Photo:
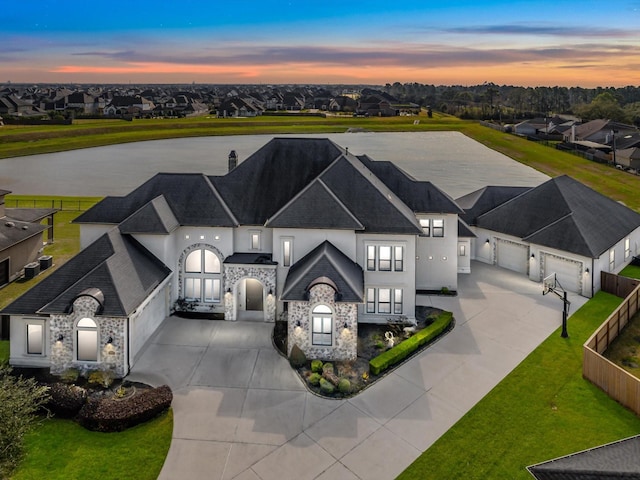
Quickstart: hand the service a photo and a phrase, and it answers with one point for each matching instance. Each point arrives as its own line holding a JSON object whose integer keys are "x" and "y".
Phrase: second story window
{"x": 254, "y": 240}
{"x": 385, "y": 258}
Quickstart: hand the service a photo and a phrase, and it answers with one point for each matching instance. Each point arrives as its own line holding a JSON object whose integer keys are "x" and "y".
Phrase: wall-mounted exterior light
{"x": 60, "y": 338}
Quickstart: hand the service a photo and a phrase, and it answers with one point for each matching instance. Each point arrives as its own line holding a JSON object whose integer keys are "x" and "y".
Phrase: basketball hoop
{"x": 550, "y": 284}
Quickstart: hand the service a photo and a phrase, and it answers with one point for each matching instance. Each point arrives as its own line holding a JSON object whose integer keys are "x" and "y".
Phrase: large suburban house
{"x": 303, "y": 231}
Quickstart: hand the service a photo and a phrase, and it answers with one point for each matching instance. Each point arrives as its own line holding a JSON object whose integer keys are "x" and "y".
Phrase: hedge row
{"x": 113, "y": 415}
{"x": 65, "y": 401}
{"x": 410, "y": 345}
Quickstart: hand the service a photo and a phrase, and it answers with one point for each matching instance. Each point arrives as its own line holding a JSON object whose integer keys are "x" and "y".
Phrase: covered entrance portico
{"x": 250, "y": 285}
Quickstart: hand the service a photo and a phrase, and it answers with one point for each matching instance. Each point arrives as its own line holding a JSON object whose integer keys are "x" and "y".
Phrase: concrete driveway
{"x": 241, "y": 413}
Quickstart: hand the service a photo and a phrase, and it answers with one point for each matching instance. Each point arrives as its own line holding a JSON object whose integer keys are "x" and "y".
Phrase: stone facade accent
{"x": 110, "y": 356}
{"x": 344, "y": 340}
{"x": 265, "y": 274}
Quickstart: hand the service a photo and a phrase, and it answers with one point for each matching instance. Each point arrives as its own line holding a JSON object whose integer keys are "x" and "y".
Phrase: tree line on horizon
{"x": 511, "y": 104}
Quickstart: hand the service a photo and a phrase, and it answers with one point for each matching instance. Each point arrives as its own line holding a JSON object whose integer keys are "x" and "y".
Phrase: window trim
{"x": 255, "y": 235}
{"x": 425, "y": 223}
{"x": 76, "y": 339}
{"x": 396, "y": 307}
{"x": 627, "y": 248}
{"x": 287, "y": 260}
{"x": 43, "y": 337}
{"x": 374, "y": 257}
{"x": 437, "y": 231}
{"x": 322, "y": 316}
{"x": 462, "y": 250}
{"x": 197, "y": 281}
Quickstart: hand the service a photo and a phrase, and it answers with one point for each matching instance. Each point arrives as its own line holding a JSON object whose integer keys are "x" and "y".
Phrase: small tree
{"x": 20, "y": 400}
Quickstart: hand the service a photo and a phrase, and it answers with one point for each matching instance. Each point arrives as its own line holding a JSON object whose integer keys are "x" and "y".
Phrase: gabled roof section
{"x": 275, "y": 174}
{"x": 464, "y": 231}
{"x": 154, "y": 217}
{"x": 565, "y": 214}
{"x": 421, "y": 197}
{"x": 375, "y": 206}
{"x": 115, "y": 264}
{"x": 315, "y": 207}
{"x": 485, "y": 199}
{"x": 191, "y": 197}
{"x": 325, "y": 261}
{"x": 614, "y": 461}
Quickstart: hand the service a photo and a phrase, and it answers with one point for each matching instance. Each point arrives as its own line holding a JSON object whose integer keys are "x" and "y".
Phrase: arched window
{"x": 202, "y": 276}
{"x": 87, "y": 340}
{"x": 321, "y": 325}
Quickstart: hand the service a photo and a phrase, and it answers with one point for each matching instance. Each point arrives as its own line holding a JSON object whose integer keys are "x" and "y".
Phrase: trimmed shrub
{"x": 70, "y": 375}
{"x": 314, "y": 378}
{"x": 66, "y": 400}
{"x": 297, "y": 358}
{"x": 410, "y": 345}
{"x": 326, "y": 387}
{"x": 104, "y": 378}
{"x": 316, "y": 366}
{"x": 327, "y": 367}
{"x": 111, "y": 415}
{"x": 344, "y": 385}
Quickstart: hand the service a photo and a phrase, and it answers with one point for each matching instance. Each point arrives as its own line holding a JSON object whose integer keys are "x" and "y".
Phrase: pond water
{"x": 452, "y": 161}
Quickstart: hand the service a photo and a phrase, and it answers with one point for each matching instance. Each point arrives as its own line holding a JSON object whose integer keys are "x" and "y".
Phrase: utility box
{"x": 46, "y": 261}
{"x": 31, "y": 270}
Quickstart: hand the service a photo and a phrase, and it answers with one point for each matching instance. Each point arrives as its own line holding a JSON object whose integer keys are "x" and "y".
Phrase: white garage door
{"x": 513, "y": 256}
{"x": 567, "y": 272}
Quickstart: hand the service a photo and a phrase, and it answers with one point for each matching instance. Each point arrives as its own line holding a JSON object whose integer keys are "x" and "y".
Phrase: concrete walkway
{"x": 241, "y": 413}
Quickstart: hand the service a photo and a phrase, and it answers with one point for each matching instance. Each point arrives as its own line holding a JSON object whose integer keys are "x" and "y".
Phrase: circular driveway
{"x": 240, "y": 412}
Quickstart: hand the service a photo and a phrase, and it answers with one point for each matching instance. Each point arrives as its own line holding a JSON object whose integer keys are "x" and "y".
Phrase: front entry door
{"x": 253, "y": 295}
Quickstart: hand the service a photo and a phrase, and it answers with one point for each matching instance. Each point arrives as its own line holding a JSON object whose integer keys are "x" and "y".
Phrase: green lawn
{"x": 631, "y": 271}
{"x": 4, "y": 351}
{"x": 61, "y": 449}
{"x": 542, "y": 410}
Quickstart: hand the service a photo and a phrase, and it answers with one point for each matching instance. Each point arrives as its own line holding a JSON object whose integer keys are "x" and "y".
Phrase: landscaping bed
{"x": 99, "y": 402}
{"x": 343, "y": 379}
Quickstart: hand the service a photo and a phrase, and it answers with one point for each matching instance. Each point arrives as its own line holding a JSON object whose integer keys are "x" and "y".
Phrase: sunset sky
{"x": 588, "y": 43}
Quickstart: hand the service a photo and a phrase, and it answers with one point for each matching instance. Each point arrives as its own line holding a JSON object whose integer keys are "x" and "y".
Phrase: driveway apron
{"x": 240, "y": 412}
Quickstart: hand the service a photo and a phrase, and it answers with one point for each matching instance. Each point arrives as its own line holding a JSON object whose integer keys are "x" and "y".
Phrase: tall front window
{"x": 287, "y": 252}
{"x": 35, "y": 335}
{"x": 87, "y": 340}
{"x": 612, "y": 260}
{"x": 385, "y": 258}
{"x": 254, "y": 240}
{"x": 627, "y": 248}
{"x": 202, "y": 281}
{"x": 321, "y": 325}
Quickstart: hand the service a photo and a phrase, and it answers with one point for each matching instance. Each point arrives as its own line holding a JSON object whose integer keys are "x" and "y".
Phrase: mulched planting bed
{"x": 371, "y": 343}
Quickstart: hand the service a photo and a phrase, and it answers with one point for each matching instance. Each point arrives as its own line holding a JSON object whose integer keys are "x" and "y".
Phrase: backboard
{"x": 549, "y": 284}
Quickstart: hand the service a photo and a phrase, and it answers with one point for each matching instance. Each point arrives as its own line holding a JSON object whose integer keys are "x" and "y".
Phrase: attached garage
{"x": 568, "y": 272}
{"x": 512, "y": 256}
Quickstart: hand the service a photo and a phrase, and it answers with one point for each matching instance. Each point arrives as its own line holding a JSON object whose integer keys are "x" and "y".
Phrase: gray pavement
{"x": 241, "y": 413}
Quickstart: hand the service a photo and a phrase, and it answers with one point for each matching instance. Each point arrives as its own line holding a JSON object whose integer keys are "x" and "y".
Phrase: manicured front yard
{"x": 542, "y": 410}
{"x": 62, "y": 449}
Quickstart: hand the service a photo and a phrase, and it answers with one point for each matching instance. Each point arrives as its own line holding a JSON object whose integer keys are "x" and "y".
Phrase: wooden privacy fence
{"x": 615, "y": 381}
{"x": 617, "y": 285}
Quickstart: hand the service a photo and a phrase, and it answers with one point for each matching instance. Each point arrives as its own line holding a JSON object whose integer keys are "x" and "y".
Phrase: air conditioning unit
{"x": 46, "y": 261}
{"x": 31, "y": 270}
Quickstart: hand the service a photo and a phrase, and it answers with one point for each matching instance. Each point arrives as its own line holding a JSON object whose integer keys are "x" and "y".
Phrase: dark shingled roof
{"x": 421, "y": 197}
{"x": 303, "y": 212}
{"x": 154, "y": 217}
{"x": 263, "y": 183}
{"x": 116, "y": 264}
{"x": 325, "y": 261}
{"x": 13, "y": 231}
{"x": 563, "y": 213}
{"x": 376, "y": 207}
{"x": 192, "y": 198}
{"x": 464, "y": 231}
{"x": 250, "y": 259}
{"x": 481, "y": 201}
{"x": 29, "y": 214}
{"x": 614, "y": 461}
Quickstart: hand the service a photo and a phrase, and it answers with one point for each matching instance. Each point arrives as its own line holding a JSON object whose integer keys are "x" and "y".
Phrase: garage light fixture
{"x": 60, "y": 338}
{"x": 587, "y": 270}
{"x": 533, "y": 256}
{"x": 487, "y": 241}
{"x": 109, "y": 340}
{"x": 297, "y": 324}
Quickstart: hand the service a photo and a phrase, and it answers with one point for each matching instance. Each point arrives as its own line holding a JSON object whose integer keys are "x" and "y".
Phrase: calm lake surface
{"x": 450, "y": 160}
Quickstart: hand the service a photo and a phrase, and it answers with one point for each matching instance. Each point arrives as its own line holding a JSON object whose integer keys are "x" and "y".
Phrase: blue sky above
{"x": 585, "y": 43}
